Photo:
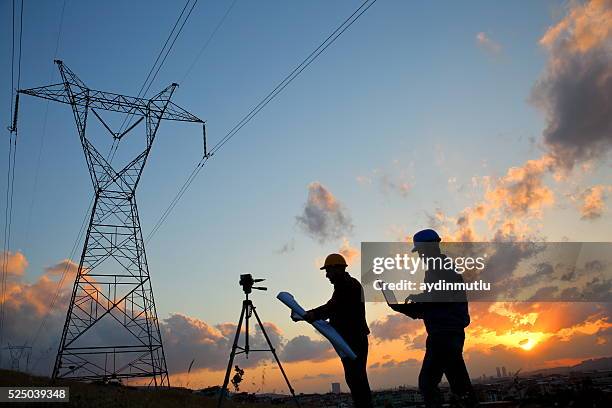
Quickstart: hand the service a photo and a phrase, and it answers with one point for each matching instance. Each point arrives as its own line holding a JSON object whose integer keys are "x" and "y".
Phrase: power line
{"x": 5, "y": 253}
{"x": 170, "y": 48}
{"x": 61, "y": 281}
{"x": 208, "y": 41}
{"x": 296, "y": 72}
{"x": 143, "y": 91}
{"x": 20, "y": 38}
{"x": 262, "y": 104}
{"x": 12, "y": 65}
{"x": 161, "y": 51}
{"x": 43, "y": 134}
{"x": 10, "y": 187}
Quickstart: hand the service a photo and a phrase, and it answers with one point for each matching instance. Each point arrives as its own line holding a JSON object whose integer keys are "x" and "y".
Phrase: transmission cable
{"x": 79, "y": 235}
{"x": 43, "y": 133}
{"x": 10, "y": 187}
{"x": 257, "y": 108}
{"x": 208, "y": 41}
{"x": 145, "y": 88}
{"x": 161, "y": 51}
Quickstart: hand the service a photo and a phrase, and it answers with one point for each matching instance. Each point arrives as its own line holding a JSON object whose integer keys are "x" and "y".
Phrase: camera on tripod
{"x": 247, "y": 312}
{"x": 247, "y": 281}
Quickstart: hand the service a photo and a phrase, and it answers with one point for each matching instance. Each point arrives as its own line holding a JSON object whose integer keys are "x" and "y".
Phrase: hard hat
{"x": 426, "y": 235}
{"x": 333, "y": 260}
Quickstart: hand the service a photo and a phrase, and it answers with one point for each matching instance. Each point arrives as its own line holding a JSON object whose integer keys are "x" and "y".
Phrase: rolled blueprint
{"x": 322, "y": 326}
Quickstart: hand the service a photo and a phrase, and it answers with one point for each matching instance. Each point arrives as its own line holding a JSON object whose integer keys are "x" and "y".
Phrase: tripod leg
{"x": 280, "y": 366}
{"x": 231, "y": 359}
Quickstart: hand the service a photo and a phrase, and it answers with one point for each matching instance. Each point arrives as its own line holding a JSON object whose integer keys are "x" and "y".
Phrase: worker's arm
{"x": 322, "y": 312}
{"x": 412, "y": 310}
{"x": 423, "y": 296}
{"x": 325, "y": 311}
{"x": 419, "y": 297}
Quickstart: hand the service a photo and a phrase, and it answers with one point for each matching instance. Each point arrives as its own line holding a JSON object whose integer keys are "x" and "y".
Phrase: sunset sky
{"x": 485, "y": 120}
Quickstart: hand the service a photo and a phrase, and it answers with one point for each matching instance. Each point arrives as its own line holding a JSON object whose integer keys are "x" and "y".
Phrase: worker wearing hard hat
{"x": 445, "y": 315}
{"x": 346, "y": 313}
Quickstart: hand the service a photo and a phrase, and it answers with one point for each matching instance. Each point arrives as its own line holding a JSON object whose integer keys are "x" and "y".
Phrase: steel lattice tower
{"x": 117, "y": 301}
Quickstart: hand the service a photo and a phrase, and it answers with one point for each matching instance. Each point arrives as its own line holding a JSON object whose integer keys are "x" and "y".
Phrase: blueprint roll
{"x": 323, "y": 327}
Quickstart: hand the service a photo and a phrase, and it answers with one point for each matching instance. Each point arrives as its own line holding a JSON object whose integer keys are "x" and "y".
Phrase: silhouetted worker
{"x": 445, "y": 314}
{"x": 346, "y": 313}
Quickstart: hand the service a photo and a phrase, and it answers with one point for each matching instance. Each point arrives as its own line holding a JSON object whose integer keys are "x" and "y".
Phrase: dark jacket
{"x": 441, "y": 311}
{"x": 346, "y": 309}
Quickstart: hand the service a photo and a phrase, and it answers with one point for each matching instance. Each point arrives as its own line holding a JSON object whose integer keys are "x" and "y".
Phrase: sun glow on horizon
{"x": 523, "y": 339}
{"x": 528, "y": 345}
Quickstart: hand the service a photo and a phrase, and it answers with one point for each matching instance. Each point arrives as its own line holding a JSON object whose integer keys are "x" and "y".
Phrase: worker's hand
{"x": 395, "y": 306}
{"x": 412, "y": 309}
{"x": 296, "y": 317}
{"x": 309, "y": 316}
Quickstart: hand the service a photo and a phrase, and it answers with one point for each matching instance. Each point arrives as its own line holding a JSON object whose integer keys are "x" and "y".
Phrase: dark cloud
{"x": 578, "y": 346}
{"x": 186, "y": 338}
{"x": 575, "y": 92}
{"x": 302, "y": 348}
{"x": 598, "y": 289}
{"x": 506, "y": 258}
{"x": 411, "y": 362}
{"x": 418, "y": 342}
{"x": 395, "y": 326}
{"x": 324, "y": 218}
{"x": 542, "y": 272}
{"x": 544, "y": 293}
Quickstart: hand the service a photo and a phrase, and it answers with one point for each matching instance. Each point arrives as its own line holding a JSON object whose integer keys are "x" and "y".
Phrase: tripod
{"x": 248, "y": 309}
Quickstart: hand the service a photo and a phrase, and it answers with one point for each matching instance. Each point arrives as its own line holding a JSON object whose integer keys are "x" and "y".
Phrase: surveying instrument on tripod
{"x": 248, "y": 310}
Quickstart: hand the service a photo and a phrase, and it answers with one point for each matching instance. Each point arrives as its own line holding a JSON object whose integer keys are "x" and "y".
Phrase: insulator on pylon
{"x": 204, "y": 139}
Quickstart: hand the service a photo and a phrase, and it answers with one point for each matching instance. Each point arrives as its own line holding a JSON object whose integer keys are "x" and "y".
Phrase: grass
{"x": 117, "y": 396}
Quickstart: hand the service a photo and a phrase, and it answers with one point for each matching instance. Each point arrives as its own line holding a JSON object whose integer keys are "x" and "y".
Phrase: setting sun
{"x": 528, "y": 344}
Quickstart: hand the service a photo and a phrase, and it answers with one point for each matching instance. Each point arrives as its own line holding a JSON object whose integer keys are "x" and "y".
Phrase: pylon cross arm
{"x": 109, "y": 101}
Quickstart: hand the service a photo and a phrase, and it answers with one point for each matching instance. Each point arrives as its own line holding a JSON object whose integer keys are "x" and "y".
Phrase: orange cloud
{"x": 593, "y": 201}
{"x": 349, "y": 253}
{"x": 35, "y": 296}
{"x": 16, "y": 262}
{"x": 509, "y": 203}
{"x": 521, "y": 190}
{"x": 518, "y": 335}
{"x": 586, "y": 26}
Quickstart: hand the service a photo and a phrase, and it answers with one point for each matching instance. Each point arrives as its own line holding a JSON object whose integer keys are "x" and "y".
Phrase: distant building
{"x": 335, "y": 388}
{"x": 504, "y": 371}
{"x": 498, "y": 372}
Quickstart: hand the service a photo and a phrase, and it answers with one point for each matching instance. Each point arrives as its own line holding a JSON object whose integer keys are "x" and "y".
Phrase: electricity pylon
{"x": 17, "y": 353}
{"x": 111, "y": 330}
